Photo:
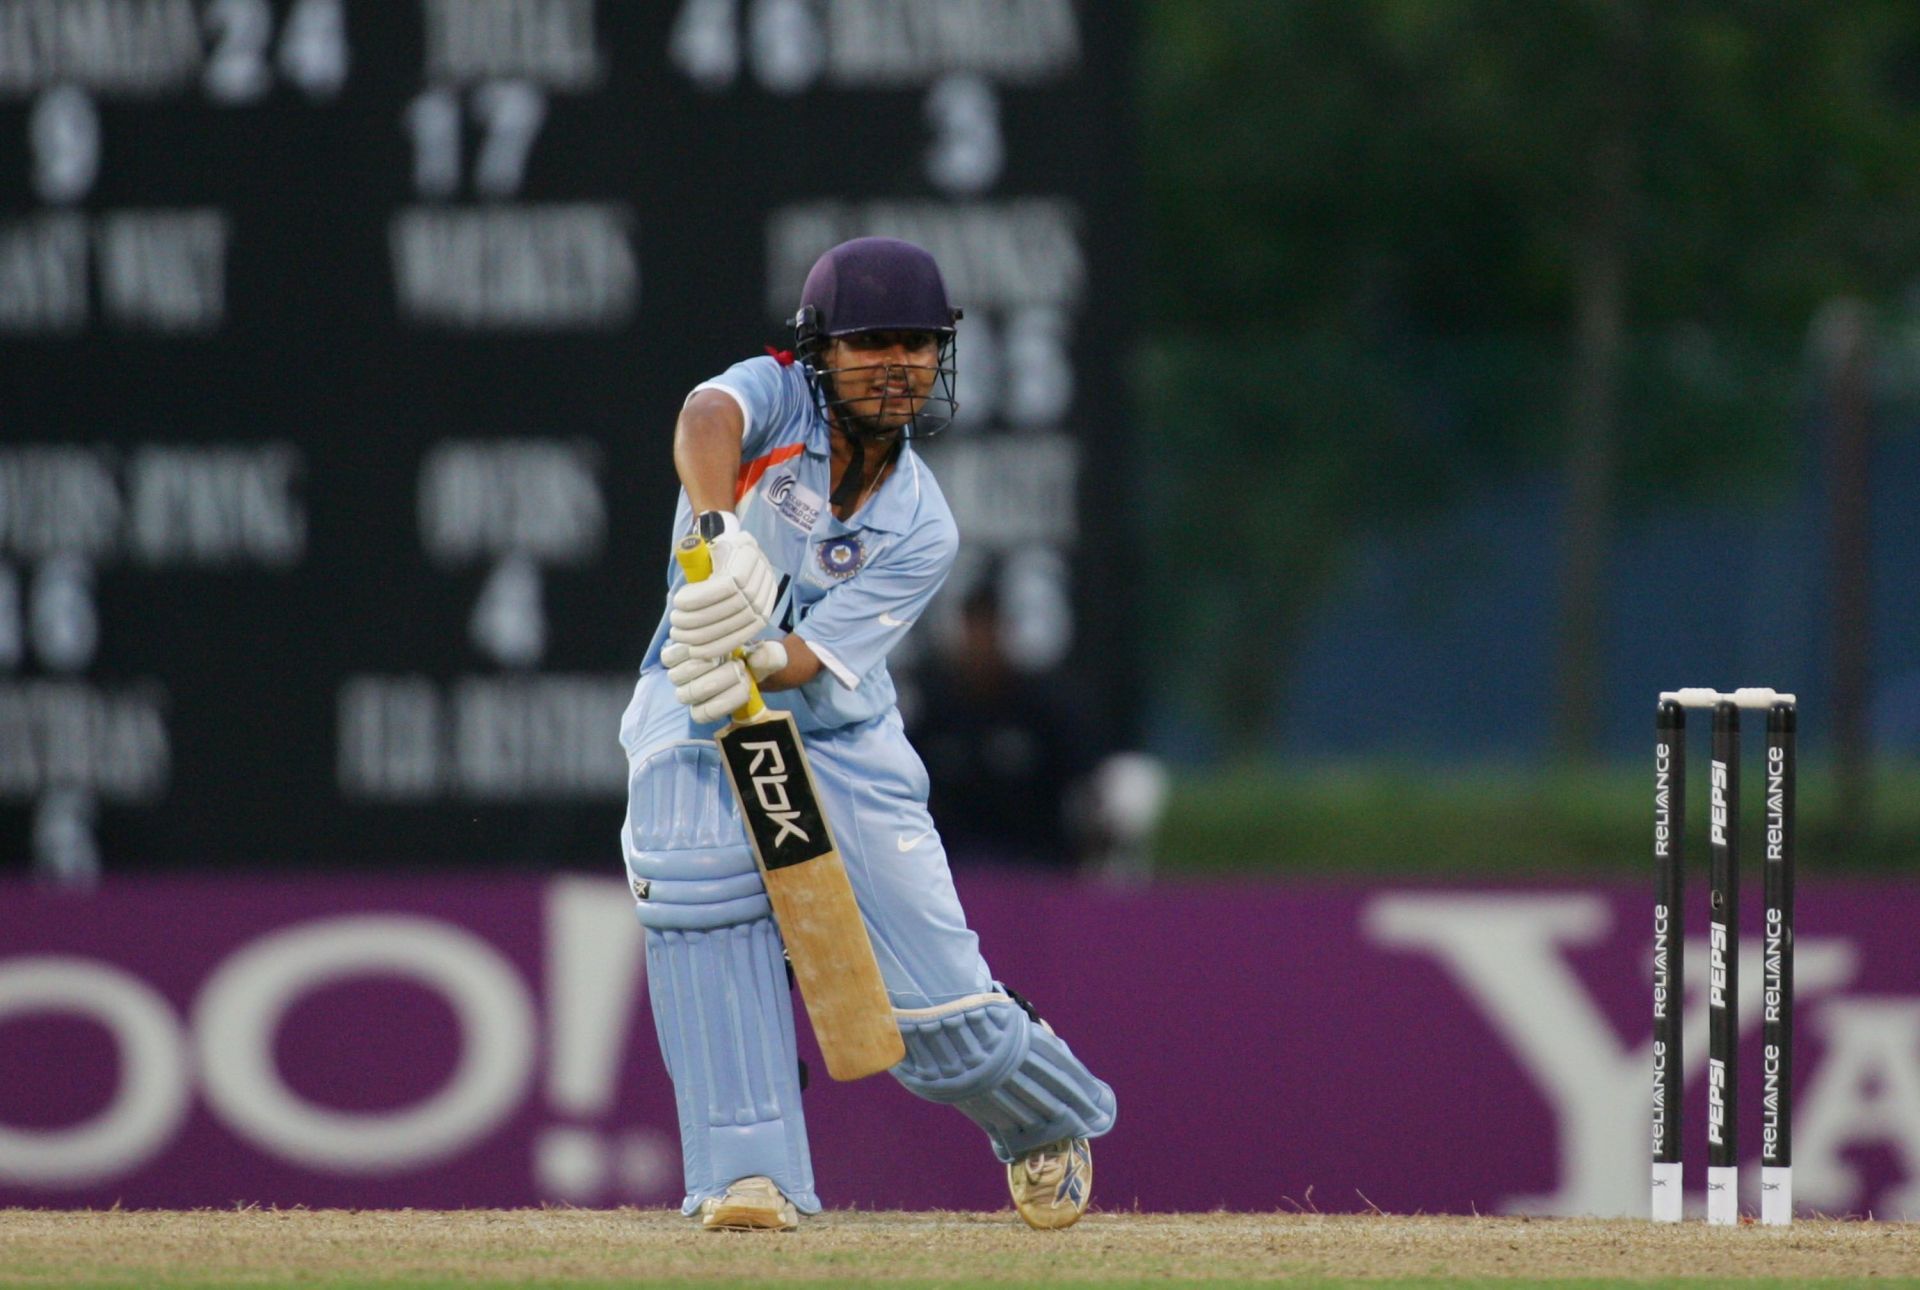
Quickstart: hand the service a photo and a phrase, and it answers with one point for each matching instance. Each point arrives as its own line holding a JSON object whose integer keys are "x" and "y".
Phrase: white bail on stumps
{"x": 1703, "y": 697}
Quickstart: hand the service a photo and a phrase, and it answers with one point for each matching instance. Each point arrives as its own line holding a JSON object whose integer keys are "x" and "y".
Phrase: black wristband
{"x": 713, "y": 525}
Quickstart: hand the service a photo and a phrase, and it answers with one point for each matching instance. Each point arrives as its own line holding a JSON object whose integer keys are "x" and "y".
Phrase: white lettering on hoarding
{"x": 126, "y": 46}
{"x": 483, "y": 738}
{"x": 1512, "y": 956}
{"x": 68, "y": 734}
{"x": 538, "y": 497}
{"x": 242, "y": 1005}
{"x": 43, "y": 275}
{"x": 164, "y": 270}
{"x": 595, "y": 969}
{"x": 150, "y": 1096}
{"x": 551, "y": 42}
{"x": 199, "y": 506}
{"x": 212, "y": 506}
{"x": 896, "y": 43}
{"x": 1508, "y": 954}
{"x": 1000, "y": 254}
{"x": 516, "y": 268}
{"x": 1013, "y": 491}
{"x": 1864, "y": 1093}
{"x": 595, "y": 979}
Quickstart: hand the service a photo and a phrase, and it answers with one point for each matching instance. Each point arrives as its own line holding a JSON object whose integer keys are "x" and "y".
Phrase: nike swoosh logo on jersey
{"x": 906, "y": 843}
{"x": 888, "y": 620}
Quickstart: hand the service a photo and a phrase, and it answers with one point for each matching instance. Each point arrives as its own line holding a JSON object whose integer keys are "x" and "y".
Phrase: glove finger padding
{"x": 705, "y": 596}
{"x": 716, "y": 630}
{"x": 716, "y": 692}
{"x": 718, "y": 709}
{"x": 766, "y": 658}
{"x": 683, "y": 665}
{"x": 716, "y": 616}
{"x": 722, "y": 639}
{"x": 706, "y": 619}
{"x": 723, "y": 677}
{"x": 713, "y": 688}
{"x": 739, "y": 558}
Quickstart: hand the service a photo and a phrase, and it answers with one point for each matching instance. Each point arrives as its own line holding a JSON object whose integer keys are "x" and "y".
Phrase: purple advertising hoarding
{"x": 487, "y": 1042}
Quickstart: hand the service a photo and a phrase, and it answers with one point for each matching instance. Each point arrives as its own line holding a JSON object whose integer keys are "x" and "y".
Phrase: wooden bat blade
{"x": 834, "y": 967}
{"x": 812, "y": 898}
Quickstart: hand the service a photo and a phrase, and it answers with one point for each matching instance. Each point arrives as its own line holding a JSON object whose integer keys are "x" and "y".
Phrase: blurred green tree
{"x": 1400, "y": 247}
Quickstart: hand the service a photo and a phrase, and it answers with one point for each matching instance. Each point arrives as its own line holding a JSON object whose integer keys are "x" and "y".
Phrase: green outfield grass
{"x": 1158, "y": 1283}
{"x": 1376, "y": 818}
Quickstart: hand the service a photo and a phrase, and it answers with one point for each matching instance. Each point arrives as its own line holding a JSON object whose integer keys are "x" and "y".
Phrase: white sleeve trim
{"x": 841, "y": 672}
{"x": 746, "y": 414}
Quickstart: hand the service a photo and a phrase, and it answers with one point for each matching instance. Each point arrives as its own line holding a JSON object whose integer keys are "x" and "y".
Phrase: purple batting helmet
{"x": 876, "y": 284}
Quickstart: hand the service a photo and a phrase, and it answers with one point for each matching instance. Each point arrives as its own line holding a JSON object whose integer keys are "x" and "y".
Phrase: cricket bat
{"x": 806, "y": 880}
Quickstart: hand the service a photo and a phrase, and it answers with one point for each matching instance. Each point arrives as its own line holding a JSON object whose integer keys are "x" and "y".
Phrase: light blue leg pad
{"x": 717, "y": 975}
{"x": 1012, "y": 1077}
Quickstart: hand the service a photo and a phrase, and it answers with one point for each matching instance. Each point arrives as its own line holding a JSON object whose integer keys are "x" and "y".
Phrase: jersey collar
{"x": 890, "y": 510}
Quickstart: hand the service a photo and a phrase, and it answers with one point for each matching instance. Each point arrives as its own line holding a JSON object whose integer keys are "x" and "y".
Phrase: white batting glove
{"x": 714, "y": 687}
{"x": 733, "y": 606}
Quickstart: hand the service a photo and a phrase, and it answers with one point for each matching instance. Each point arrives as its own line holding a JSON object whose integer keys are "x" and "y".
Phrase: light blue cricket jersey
{"x": 849, "y": 589}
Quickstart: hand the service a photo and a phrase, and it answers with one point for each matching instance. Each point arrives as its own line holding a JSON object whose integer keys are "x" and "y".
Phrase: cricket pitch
{"x": 333, "y": 1249}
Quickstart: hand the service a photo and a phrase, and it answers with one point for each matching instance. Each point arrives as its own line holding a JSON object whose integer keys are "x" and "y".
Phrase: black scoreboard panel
{"x": 340, "y": 344}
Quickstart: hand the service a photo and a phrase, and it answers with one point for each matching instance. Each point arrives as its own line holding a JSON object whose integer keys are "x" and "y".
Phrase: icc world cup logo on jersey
{"x": 794, "y": 503}
{"x": 840, "y": 557}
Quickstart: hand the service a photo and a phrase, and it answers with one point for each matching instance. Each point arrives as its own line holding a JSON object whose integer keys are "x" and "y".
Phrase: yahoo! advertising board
{"x": 435, "y": 1042}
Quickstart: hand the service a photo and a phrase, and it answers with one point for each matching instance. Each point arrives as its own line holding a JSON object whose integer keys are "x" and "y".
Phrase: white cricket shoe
{"x": 749, "y": 1205}
{"x": 1051, "y": 1185}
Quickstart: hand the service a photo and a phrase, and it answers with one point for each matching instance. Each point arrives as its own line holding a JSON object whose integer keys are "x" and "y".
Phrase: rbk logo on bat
{"x": 777, "y": 795}
{"x": 768, "y": 772}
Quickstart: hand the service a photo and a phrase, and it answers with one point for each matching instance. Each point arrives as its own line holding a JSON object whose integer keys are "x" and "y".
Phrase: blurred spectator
{"x": 1019, "y": 774}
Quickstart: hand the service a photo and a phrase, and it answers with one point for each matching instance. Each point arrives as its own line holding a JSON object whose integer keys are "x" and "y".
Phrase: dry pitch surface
{"x": 577, "y": 1247}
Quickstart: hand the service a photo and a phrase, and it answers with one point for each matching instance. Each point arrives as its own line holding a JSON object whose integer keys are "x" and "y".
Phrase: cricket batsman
{"x": 828, "y": 538}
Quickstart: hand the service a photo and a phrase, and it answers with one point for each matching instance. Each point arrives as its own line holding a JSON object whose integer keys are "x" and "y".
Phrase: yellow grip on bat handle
{"x": 696, "y": 561}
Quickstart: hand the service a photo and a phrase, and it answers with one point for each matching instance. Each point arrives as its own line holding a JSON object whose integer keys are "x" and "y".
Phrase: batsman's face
{"x": 884, "y": 377}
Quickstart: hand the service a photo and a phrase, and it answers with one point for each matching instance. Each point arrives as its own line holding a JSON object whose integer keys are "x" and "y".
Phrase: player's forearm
{"x": 802, "y": 666}
{"x": 706, "y": 449}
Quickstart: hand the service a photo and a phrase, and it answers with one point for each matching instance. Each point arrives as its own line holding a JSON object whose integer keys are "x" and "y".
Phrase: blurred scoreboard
{"x": 340, "y": 345}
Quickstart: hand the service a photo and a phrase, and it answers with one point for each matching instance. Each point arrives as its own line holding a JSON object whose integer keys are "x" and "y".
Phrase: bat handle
{"x": 696, "y": 561}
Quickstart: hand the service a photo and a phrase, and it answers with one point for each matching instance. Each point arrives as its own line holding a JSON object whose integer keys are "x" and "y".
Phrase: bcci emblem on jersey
{"x": 840, "y": 557}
